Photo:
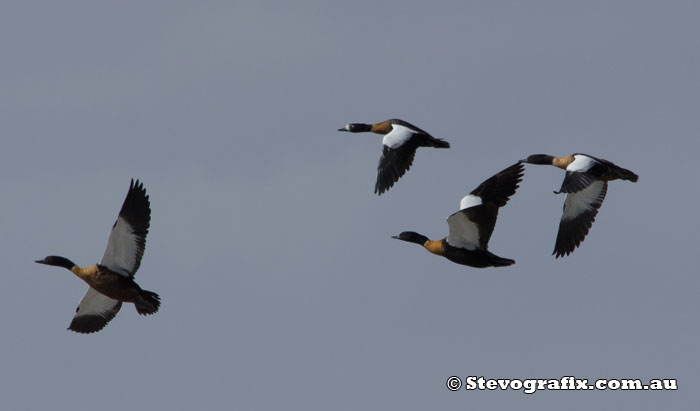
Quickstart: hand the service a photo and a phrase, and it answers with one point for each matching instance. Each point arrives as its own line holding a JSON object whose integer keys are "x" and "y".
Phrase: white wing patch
{"x": 584, "y": 200}
{"x": 581, "y": 163}
{"x": 397, "y": 136}
{"x": 121, "y": 253}
{"x": 469, "y": 200}
{"x": 464, "y": 233}
{"x": 94, "y": 312}
{"x": 95, "y": 303}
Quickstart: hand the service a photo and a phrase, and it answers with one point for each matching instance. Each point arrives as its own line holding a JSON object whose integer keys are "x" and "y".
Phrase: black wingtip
{"x": 561, "y": 254}
{"x": 498, "y": 188}
{"x": 136, "y": 184}
{"x": 380, "y": 189}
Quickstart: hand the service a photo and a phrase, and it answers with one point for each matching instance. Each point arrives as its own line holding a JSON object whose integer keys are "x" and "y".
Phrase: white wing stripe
{"x": 582, "y": 201}
{"x": 581, "y": 163}
{"x": 397, "y": 136}
{"x": 122, "y": 248}
{"x": 469, "y": 200}
{"x": 95, "y": 303}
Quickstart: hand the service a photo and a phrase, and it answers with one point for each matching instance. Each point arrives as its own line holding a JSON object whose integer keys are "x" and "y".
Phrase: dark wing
{"x": 94, "y": 312}
{"x": 580, "y": 210}
{"x": 393, "y": 164}
{"x": 471, "y": 227}
{"x": 498, "y": 189}
{"x": 575, "y": 181}
{"x": 128, "y": 237}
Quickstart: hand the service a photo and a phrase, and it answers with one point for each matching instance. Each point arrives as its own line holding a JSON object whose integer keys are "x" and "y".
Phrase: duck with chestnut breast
{"x": 112, "y": 280}
{"x": 399, "y": 145}
{"x": 585, "y": 185}
{"x": 471, "y": 227}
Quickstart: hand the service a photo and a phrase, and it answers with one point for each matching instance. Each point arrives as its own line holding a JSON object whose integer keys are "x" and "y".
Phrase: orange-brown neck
{"x": 382, "y": 128}
{"x": 435, "y": 247}
{"x": 85, "y": 272}
{"x": 562, "y": 162}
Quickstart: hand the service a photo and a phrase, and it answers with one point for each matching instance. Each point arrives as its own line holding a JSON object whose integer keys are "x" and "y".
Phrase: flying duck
{"x": 585, "y": 185}
{"x": 470, "y": 228}
{"x": 401, "y": 140}
{"x": 112, "y": 280}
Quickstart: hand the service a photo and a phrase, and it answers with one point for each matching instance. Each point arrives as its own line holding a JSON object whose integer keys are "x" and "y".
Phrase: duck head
{"x": 57, "y": 261}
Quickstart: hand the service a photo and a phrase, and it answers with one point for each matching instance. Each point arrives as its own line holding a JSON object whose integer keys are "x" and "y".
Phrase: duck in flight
{"x": 471, "y": 227}
{"x": 112, "y": 280}
{"x": 585, "y": 185}
{"x": 399, "y": 145}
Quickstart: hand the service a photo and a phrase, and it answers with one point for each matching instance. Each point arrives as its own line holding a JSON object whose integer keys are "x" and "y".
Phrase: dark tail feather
{"x": 148, "y": 303}
{"x": 480, "y": 258}
{"x": 438, "y": 143}
{"x": 496, "y": 261}
{"x": 625, "y": 174}
{"x": 502, "y": 262}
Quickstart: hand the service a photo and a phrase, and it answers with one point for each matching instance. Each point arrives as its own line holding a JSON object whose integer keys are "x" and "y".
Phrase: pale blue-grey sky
{"x": 281, "y": 286}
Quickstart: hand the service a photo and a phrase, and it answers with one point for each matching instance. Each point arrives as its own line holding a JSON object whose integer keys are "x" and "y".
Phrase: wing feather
{"x": 575, "y": 181}
{"x": 580, "y": 210}
{"x": 127, "y": 240}
{"x": 94, "y": 312}
{"x": 472, "y": 226}
{"x": 393, "y": 164}
{"x": 501, "y": 186}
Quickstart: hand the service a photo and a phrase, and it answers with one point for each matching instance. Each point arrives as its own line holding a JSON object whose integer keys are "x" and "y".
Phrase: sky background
{"x": 280, "y": 283}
